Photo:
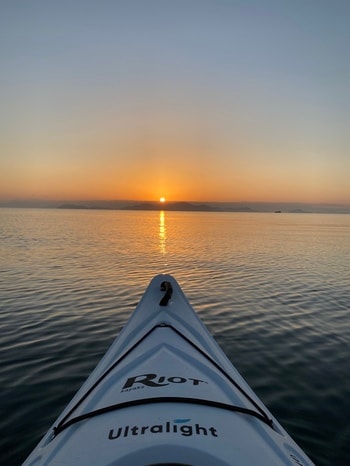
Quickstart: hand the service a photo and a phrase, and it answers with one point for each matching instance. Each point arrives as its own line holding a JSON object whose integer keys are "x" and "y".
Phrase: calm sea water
{"x": 274, "y": 290}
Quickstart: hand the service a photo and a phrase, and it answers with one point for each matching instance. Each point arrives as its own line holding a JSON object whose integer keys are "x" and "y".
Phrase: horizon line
{"x": 172, "y": 201}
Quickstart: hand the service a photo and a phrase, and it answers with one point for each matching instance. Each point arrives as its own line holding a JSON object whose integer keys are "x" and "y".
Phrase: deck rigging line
{"x": 165, "y": 399}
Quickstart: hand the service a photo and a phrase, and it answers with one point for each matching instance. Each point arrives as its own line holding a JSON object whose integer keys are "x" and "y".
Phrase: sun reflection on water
{"x": 162, "y": 233}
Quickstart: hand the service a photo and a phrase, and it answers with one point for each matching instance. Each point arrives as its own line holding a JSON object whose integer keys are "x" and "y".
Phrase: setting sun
{"x": 162, "y": 199}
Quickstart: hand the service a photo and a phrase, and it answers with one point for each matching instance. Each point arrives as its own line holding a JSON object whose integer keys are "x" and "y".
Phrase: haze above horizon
{"x": 207, "y": 100}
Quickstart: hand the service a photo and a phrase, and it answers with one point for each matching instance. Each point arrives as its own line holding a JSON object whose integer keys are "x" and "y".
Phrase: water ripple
{"x": 273, "y": 290}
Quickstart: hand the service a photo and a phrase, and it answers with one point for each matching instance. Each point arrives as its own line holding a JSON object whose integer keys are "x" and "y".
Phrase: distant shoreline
{"x": 252, "y": 207}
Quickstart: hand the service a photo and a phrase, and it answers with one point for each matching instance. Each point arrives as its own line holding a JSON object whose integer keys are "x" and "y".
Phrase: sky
{"x": 202, "y": 100}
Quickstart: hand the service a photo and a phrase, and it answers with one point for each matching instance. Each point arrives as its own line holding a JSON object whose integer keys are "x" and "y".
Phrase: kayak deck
{"x": 166, "y": 393}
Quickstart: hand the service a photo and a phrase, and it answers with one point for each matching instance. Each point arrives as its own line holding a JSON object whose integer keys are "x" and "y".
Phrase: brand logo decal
{"x": 177, "y": 426}
{"x": 153, "y": 380}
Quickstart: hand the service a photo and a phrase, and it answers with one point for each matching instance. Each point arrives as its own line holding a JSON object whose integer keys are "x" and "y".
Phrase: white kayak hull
{"x": 165, "y": 393}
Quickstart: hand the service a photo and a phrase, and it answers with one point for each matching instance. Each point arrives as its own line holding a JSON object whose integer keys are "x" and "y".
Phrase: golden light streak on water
{"x": 162, "y": 233}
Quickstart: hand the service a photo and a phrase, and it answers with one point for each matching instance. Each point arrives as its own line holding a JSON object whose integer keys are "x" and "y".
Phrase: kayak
{"x": 165, "y": 393}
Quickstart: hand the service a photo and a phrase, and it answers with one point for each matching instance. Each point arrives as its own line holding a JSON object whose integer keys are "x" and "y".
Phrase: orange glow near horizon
{"x": 228, "y": 189}
{"x": 187, "y": 172}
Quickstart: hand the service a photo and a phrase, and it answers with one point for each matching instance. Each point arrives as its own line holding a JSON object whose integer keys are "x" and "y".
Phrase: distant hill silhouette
{"x": 179, "y": 206}
{"x": 297, "y": 211}
{"x": 72, "y": 206}
{"x": 283, "y": 207}
{"x": 188, "y": 206}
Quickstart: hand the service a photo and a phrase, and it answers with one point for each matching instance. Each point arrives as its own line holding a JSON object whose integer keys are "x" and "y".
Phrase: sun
{"x": 162, "y": 200}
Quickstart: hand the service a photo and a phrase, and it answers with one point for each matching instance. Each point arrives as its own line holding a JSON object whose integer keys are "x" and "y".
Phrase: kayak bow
{"x": 165, "y": 393}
